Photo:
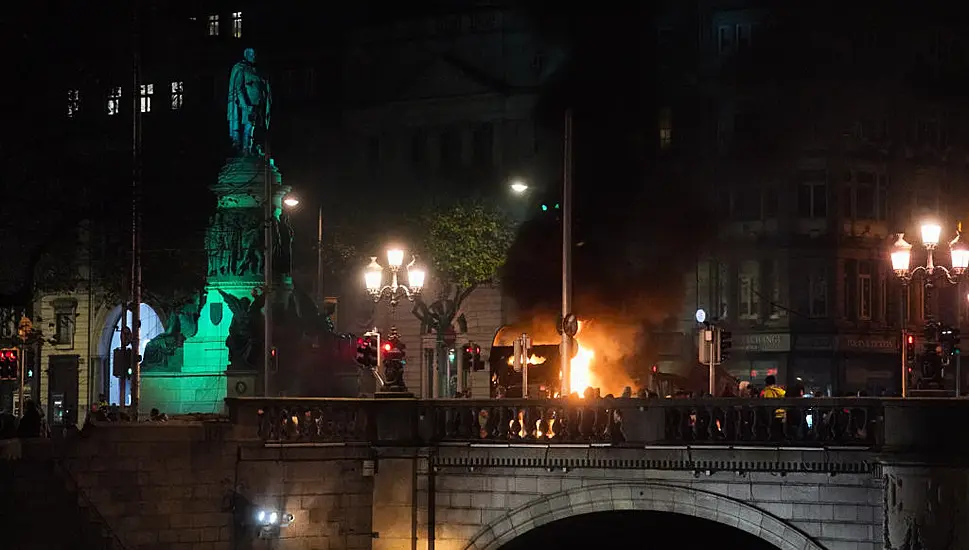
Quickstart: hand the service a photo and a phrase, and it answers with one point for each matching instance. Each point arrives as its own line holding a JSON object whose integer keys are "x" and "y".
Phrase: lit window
{"x": 213, "y": 25}
{"x": 147, "y": 90}
{"x": 178, "y": 95}
{"x": 114, "y": 100}
{"x": 864, "y": 290}
{"x": 73, "y": 102}
{"x": 665, "y": 128}
{"x": 237, "y": 24}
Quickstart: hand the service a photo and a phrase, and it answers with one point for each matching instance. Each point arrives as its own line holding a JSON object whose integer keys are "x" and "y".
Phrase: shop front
{"x": 813, "y": 364}
{"x": 870, "y": 364}
{"x": 845, "y": 364}
{"x": 759, "y": 355}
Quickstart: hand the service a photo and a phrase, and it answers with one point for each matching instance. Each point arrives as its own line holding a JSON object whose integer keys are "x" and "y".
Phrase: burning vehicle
{"x": 595, "y": 362}
{"x": 603, "y": 358}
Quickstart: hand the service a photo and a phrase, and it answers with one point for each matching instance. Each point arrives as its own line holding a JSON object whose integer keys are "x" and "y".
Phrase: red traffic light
{"x": 388, "y": 346}
{"x": 655, "y": 369}
{"x": 911, "y": 339}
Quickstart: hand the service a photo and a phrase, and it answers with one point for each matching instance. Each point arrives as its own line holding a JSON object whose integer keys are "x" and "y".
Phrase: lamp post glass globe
{"x": 415, "y": 278}
{"x": 395, "y": 257}
{"x": 373, "y": 276}
{"x": 901, "y": 255}
{"x": 960, "y": 255}
{"x": 290, "y": 201}
{"x": 931, "y": 231}
{"x": 519, "y": 187}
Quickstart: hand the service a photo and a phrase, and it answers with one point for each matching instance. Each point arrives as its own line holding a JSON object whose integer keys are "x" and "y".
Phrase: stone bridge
{"x": 458, "y": 474}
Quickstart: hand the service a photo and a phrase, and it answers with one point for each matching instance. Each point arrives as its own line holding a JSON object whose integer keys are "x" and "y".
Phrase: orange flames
{"x": 588, "y": 371}
{"x": 533, "y": 360}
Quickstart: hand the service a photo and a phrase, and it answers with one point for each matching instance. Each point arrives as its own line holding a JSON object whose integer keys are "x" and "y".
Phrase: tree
{"x": 466, "y": 243}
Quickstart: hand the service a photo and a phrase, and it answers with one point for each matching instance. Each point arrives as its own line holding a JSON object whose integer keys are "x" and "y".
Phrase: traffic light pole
{"x": 904, "y": 347}
{"x": 566, "y": 345}
{"x": 23, "y": 374}
{"x": 959, "y": 375}
{"x": 713, "y": 362}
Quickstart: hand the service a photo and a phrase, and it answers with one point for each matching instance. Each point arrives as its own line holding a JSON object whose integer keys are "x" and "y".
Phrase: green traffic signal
{"x": 544, "y": 208}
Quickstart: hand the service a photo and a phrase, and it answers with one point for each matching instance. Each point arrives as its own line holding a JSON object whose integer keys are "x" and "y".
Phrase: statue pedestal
{"x": 235, "y": 243}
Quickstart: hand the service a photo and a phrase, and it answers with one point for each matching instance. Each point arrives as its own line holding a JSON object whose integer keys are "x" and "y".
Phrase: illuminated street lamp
{"x": 291, "y": 200}
{"x": 901, "y": 257}
{"x": 374, "y": 275}
{"x": 518, "y": 187}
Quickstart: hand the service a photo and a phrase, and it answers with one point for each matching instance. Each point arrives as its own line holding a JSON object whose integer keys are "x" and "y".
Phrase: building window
{"x": 73, "y": 102}
{"x": 722, "y": 279}
{"x": 743, "y": 37}
{"x": 665, "y": 128}
{"x": 725, "y": 40}
{"x": 114, "y": 100}
{"x": 65, "y": 329}
{"x": 864, "y": 290}
{"x": 748, "y": 284}
{"x": 746, "y": 204}
{"x": 178, "y": 95}
{"x": 483, "y": 145}
{"x": 776, "y": 310}
{"x": 309, "y": 81}
{"x": 147, "y": 90}
{"x": 236, "y": 24}
{"x": 818, "y": 292}
{"x": 450, "y": 148}
{"x": 418, "y": 149}
{"x": 213, "y": 25}
{"x": 812, "y": 200}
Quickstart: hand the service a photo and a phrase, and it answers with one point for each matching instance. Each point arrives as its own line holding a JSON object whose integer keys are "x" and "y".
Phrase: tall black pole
{"x": 566, "y": 344}
{"x": 136, "y": 212}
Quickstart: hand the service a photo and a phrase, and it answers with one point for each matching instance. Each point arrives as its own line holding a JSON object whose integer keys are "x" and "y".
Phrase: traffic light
{"x": 367, "y": 350}
{"x": 476, "y": 362}
{"x": 394, "y": 350}
{"x": 724, "y": 343}
{"x": 9, "y": 364}
{"x": 467, "y": 356}
{"x": 955, "y": 336}
{"x": 655, "y": 369}
{"x": 121, "y": 366}
{"x": 910, "y": 349}
{"x": 273, "y": 359}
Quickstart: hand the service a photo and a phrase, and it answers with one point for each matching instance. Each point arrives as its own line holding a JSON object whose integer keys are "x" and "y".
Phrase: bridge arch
{"x": 646, "y": 497}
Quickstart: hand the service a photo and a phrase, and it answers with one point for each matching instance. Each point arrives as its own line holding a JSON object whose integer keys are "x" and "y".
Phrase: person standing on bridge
{"x": 771, "y": 389}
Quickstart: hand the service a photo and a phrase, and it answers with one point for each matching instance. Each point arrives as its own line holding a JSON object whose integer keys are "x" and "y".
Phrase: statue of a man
{"x": 250, "y": 100}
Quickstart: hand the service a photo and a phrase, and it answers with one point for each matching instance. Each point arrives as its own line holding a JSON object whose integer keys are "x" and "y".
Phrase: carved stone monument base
{"x": 235, "y": 243}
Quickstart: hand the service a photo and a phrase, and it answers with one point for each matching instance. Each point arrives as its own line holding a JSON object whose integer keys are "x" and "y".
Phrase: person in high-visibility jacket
{"x": 773, "y": 391}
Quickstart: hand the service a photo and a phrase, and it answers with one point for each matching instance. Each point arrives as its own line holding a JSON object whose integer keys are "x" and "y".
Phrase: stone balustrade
{"x": 824, "y": 422}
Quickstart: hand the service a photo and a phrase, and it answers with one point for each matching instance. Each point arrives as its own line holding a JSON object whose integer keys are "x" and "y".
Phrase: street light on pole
{"x": 901, "y": 258}
{"x": 518, "y": 187}
{"x": 373, "y": 277}
{"x": 292, "y": 201}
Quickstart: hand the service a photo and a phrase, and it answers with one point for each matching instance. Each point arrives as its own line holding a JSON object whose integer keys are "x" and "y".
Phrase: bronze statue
{"x": 240, "y": 336}
{"x": 250, "y": 100}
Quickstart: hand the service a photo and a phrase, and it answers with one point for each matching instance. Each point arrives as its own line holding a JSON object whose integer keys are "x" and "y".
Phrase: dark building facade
{"x": 821, "y": 134}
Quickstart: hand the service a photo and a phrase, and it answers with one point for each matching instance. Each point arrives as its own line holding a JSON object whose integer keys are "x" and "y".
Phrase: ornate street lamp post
{"x": 373, "y": 278}
{"x": 901, "y": 257}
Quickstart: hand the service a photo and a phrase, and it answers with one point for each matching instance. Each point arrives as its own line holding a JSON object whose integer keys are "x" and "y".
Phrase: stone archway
{"x": 647, "y": 497}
